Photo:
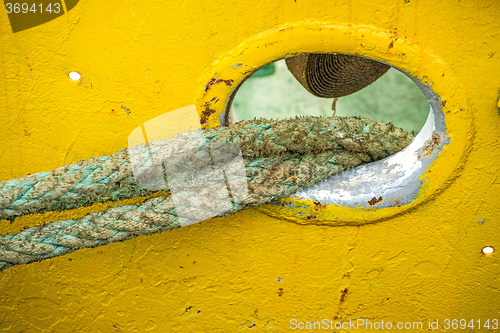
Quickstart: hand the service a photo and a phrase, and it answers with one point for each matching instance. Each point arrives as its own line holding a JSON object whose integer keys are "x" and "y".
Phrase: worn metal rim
{"x": 232, "y": 68}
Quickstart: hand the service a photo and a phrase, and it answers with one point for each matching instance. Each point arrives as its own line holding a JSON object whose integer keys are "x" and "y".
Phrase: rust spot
{"x": 375, "y": 201}
{"x": 280, "y": 292}
{"x": 435, "y": 141}
{"x": 443, "y": 103}
{"x": 256, "y": 312}
{"x": 205, "y": 114}
{"x": 310, "y": 217}
{"x": 343, "y": 294}
{"x": 209, "y": 84}
{"x": 391, "y": 45}
{"x": 248, "y": 71}
{"x": 214, "y": 81}
{"x": 318, "y": 205}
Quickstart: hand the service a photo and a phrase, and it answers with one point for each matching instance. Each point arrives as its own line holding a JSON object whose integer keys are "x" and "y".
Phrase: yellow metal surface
{"x": 138, "y": 60}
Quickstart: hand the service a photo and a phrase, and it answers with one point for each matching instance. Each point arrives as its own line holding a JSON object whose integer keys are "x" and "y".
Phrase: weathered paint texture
{"x": 251, "y": 270}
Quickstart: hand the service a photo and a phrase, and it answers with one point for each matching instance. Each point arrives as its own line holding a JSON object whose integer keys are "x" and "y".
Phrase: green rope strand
{"x": 280, "y": 158}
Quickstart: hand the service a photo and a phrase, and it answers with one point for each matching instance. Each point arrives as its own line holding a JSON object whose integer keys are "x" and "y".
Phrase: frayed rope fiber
{"x": 280, "y": 157}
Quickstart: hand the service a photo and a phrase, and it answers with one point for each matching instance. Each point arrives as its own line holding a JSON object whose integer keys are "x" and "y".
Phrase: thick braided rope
{"x": 109, "y": 178}
{"x": 280, "y": 157}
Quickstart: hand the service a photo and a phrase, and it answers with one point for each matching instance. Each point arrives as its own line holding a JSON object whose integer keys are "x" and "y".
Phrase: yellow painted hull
{"x": 257, "y": 269}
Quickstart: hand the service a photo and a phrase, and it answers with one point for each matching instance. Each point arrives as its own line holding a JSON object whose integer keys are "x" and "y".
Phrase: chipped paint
{"x": 375, "y": 201}
{"x": 213, "y": 81}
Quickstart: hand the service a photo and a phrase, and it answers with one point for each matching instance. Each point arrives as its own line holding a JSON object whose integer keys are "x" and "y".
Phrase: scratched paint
{"x": 250, "y": 270}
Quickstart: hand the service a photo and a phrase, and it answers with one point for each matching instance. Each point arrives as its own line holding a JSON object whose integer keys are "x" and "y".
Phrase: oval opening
{"x": 274, "y": 92}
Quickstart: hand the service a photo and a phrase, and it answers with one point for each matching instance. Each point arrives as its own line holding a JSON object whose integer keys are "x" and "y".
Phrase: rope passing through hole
{"x": 280, "y": 157}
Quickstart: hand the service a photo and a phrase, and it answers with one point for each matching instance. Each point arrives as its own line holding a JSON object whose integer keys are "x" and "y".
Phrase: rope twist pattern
{"x": 280, "y": 157}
